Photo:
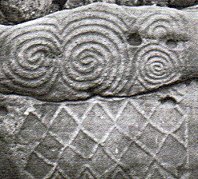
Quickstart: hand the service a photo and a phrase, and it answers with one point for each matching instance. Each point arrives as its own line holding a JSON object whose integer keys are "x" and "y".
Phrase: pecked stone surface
{"x": 18, "y": 11}
{"x": 106, "y": 51}
{"x": 98, "y": 50}
{"x": 150, "y": 136}
{"x": 171, "y": 3}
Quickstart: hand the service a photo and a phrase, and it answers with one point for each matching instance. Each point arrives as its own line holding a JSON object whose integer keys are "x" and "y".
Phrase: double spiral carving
{"x": 87, "y": 53}
{"x": 95, "y": 50}
{"x": 156, "y": 65}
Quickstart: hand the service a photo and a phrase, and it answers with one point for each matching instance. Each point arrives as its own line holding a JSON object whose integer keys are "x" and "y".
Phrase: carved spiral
{"x": 95, "y": 50}
{"x": 31, "y": 64}
{"x": 156, "y": 65}
{"x": 161, "y": 24}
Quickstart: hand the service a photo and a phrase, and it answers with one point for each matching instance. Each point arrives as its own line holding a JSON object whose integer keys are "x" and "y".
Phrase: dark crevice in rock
{"x": 171, "y": 43}
{"x": 3, "y": 110}
{"x": 61, "y": 3}
{"x": 168, "y": 99}
{"x": 134, "y": 39}
{"x": 144, "y": 93}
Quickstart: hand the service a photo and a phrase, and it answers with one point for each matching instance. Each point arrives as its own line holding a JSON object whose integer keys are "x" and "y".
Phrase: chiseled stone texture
{"x": 151, "y": 136}
{"x": 192, "y": 9}
{"x": 17, "y": 11}
{"x": 95, "y": 52}
{"x": 172, "y": 3}
{"x": 98, "y": 50}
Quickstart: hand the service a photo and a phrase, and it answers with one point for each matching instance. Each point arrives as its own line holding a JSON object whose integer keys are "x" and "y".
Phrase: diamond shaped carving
{"x": 85, "y": 144}
{"x": 63, "y": 126}
{"x": 172, "y": 154}
{"x": 119, "y": 174}
{"x": 136, "y": 160}
{"x": 31, "y": 130}
{"x": 114, "y": 106}
{"x": 97, "y": 122}
{"x": 117, "y": 142}
{"x": 146, "y": 106}
{"x": 78, "y": 109}
{"x": 167, "y": 117}
{"x": 57, "y": 175}
{"x": 101, "y": 161}
{"x": 155, "y": 174}
{"x": 181, "y": 132}
{"x": 87, "y": 174}
{"x": 90, "y": 54}
{"x": 71, "y": 163}
{"x": 49, "y": 148}
{"x": 46, "y": 111}
{"x": 131, "y": 121}
{"x": 156, "y": 171}
{"x": 151, "y": 137}
{"x": 37, "y": 167}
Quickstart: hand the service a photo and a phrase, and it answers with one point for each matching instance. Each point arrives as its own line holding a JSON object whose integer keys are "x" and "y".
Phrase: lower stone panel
{"x": 151, "y": 136}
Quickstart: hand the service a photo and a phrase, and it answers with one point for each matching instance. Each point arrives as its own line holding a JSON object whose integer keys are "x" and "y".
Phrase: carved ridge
{"x": 75, "y": 54}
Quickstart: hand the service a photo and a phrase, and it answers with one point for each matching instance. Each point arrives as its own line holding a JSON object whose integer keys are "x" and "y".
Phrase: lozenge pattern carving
{"x": 102, "y": 138}
{"x": 80, "y": 53}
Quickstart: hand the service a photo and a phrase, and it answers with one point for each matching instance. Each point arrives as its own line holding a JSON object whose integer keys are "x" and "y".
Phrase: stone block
{"x": 98, "y": 50}
{"x": 100, "y": 92}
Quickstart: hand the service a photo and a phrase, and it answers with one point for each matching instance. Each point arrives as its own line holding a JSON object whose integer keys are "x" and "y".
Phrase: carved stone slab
{"x": 100, "y": 49}
{"x": 18, "y": 11}
{"x": 152, "y": 136}
{"x": 171, "y": 3}
{"x": 88, "y": 55}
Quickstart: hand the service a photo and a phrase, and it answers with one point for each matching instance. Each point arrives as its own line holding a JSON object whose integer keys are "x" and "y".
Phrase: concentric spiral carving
{"x": 76, "y": 54}
{"x": 161, "y": 24}
{"x": 87, "y": 53}
{"x": 95, "y": 49}
{"x": 31, "y": 64}
{"x": 157, "y": 65}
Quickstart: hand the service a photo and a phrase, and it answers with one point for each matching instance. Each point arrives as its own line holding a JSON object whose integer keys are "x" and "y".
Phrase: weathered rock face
{"x": 182, "y": 3}
{"x": 107, "y": 51}
{"x": 172, "y": 3}
{"x": 150, "y": 136}
{"x": 137, "y": 123}
{"x": 18, "y": 11}
{"x": 8, "y": 169}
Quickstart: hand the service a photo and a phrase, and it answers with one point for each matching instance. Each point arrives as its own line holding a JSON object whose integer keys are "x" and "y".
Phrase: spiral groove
{"x": 30, "y": 64}
{"x": 161, "y": 24}
{"x": 95, "y": 51}
{"x": 156, "y": 65}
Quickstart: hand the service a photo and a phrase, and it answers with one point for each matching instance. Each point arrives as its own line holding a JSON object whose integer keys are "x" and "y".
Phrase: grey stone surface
{"x": 151, "y": 136}
{"x": 17, "y": 11}
{"x": 8, "y": 169}
{"x": 137, "y": 66}
{"x": 98, "y": 50}
{"x": 192, "y": 9}
{"x": 172, "y": 3}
